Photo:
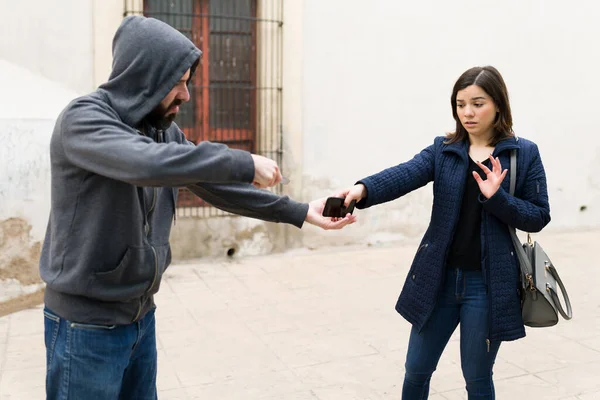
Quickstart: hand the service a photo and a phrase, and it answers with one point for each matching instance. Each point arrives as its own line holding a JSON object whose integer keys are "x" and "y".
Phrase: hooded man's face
{"x": 165, "y": 112}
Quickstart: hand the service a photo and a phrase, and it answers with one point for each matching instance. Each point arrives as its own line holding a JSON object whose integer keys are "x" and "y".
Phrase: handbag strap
{"x": 513, "y": 171}
{"x": 554, "y": 295}
{"x": 526, "y": 267}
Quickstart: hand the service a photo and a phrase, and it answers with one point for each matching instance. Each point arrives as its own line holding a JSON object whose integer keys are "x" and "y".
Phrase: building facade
{"x": 333, "y": 90}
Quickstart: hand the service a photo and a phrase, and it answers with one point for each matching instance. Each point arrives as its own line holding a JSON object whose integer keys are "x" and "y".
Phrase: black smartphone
{"x": 334, "y": 207}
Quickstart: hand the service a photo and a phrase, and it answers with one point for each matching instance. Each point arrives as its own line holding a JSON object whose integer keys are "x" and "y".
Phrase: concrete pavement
{"x": 321, "y": 325}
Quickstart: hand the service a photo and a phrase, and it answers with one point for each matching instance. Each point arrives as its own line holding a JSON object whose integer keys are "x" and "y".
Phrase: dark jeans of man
{"x": 97, "y": 362}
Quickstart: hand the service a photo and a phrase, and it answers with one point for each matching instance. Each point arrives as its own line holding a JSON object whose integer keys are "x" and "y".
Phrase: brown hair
{"x": 489, "y": 79}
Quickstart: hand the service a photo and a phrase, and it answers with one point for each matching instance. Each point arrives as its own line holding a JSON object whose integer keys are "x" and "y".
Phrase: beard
{"x": 160, "y": 117}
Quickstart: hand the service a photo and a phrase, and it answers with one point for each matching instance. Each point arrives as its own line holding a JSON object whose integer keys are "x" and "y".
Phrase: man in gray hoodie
{"x": 117, "y": 161}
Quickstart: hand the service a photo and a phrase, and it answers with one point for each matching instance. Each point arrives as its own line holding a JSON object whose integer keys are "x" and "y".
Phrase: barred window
{"x": 236, "y": 89}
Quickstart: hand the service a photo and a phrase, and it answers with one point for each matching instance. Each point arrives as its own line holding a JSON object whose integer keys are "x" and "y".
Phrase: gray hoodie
{"x": 115, "y": 179}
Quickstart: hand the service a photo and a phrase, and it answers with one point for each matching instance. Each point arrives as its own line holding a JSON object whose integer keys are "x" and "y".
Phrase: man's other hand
{"x": 266, "y": 172}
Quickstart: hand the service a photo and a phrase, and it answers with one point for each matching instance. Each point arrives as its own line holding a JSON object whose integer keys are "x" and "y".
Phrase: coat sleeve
{"x": 394, "y": 182}
{"x": 531, "y": 211}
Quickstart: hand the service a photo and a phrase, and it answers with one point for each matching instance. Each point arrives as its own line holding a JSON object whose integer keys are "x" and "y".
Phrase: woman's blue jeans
{"x": 462, "y": 299}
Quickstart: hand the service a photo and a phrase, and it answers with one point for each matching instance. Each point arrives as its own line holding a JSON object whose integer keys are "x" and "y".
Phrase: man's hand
{"x": 266, "y": 172}
{"x": 315, "y": 216}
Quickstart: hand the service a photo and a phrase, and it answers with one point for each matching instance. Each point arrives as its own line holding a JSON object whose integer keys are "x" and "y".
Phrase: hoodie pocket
{"x": 163, "y": 257}
{"x": 135, "y": 273}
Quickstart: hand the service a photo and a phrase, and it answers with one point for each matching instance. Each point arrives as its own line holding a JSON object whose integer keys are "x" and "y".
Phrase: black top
{"x": 465, "y": 250}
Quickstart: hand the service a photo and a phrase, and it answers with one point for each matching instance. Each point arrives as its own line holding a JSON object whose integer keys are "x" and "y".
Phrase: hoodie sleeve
{"x": 94, "y": 139}
{"x": 531, "y": 211}
{"x": 248, "y": 201}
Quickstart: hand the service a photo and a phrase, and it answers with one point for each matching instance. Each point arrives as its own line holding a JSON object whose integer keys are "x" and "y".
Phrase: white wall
{"x": 107, "y": 16}
{"x": 52, "y": 39}
{"x": 377, "y": 79}
{"x": 29, "y": 108}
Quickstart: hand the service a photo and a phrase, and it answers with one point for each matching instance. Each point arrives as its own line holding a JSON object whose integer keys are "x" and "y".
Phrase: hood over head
{"x": 149, "y": 58}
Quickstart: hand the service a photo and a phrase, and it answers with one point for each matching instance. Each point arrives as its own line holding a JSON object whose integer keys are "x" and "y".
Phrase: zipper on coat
{"x": 154, "y": 190}
{"x": 444, "y": 266}
{"x": 152, "y": 247}
{"x": 159, "y": 136}
{"x": 147, "y": 229}
{"x": 487, "y": 279}
{"x": 487, "y": 269}
{"x": 161, "y": 139}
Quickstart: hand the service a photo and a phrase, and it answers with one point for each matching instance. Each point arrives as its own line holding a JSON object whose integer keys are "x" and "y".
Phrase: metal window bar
{"x": 236, "y": 95}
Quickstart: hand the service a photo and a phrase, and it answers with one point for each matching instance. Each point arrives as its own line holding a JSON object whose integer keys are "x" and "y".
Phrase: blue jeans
{"x": 98, "y": 362}
{"x": 462, "y": 299}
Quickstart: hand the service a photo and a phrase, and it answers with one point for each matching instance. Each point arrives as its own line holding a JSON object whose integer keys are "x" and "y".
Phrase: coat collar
{"x": 462, "y": 148}
{"x": 507, "y": 144}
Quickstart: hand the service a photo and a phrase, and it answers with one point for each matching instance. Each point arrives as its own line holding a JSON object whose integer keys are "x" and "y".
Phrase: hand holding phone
{"x": 334, "y": 207}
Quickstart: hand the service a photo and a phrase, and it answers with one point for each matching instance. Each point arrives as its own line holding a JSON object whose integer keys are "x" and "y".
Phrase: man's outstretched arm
{"x": 247, "y": 200}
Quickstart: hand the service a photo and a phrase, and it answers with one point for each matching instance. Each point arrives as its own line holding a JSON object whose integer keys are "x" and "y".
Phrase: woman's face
{"x": 476, "y": 111}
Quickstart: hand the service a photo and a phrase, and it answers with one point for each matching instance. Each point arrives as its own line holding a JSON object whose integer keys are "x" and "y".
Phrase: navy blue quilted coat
{"x": 446, "y": 165}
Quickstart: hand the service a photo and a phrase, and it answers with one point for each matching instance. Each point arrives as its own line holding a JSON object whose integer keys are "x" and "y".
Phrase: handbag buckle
{"x": 529, "y": 240}
{"x": 530, "y": 280}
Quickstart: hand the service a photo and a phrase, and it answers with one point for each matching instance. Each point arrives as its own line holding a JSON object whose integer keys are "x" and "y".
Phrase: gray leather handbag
{"x": 540, "y": 303}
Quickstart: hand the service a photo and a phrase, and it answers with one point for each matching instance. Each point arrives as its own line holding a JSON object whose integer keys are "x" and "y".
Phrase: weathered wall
{"x": 227, "y": 236}
{"x": 30, "y": 104}
{"x": 19, "y": 257}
